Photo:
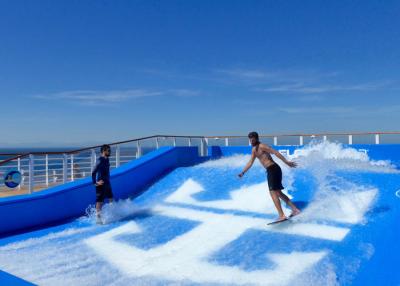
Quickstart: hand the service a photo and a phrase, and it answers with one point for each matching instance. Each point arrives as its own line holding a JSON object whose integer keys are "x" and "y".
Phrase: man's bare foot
{"x": 99, "y": 220}
{"x": 281, "y": 218}
{"x": 294, "y": 213}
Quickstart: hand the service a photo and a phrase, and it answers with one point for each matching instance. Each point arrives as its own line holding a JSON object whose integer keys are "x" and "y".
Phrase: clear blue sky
{"x": 95, "y": 71}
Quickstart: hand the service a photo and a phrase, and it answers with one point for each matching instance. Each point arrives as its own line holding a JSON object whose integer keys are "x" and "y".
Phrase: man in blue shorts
{"x": 101, "y": 179}
{"x": 274, "y": 173}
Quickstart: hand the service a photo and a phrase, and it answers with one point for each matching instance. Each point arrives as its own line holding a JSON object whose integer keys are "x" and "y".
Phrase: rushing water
{"x": 204, "y": 225}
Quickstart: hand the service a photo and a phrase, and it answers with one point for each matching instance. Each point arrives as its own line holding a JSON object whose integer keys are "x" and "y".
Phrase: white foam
{"x": 254, "y": 198}
{"x": 49, "y": 261}
{"x": 30, "y": 242}
{"x": 305, "y": 229}
{"x": 112, "y": 212}
{"x": 185, "y": 258}
{"x": 234, "y": 161}
{"x": 343, "y": 157}
{"x": 338, "y": 157}
{"x": 342, "y": 206}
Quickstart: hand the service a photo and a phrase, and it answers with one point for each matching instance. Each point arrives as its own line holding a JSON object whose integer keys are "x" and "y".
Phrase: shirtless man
{"x": 274, "y": 173}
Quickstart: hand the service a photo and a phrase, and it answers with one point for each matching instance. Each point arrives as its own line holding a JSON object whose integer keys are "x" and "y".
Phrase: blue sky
{"x": 81, "y": 72}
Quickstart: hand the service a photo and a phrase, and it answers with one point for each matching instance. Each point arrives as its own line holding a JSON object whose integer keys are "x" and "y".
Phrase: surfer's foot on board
{"x": 278, "y": 220}
{"x": 294, "y": 213}
{"x": 281, "y": 218}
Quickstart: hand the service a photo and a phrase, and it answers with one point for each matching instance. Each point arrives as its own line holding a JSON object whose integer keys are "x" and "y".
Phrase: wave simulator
{"x": 197, "y": 223}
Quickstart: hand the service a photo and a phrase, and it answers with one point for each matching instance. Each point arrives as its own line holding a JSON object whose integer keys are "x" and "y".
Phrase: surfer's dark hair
{"x": 253, "y": 134}
{"x": 104, "y": 148}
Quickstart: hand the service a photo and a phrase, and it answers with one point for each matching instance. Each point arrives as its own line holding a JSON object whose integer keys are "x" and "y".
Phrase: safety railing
{"x": 40, "y": 170}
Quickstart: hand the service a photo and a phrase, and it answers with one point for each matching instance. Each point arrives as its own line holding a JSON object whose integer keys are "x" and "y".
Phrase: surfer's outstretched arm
{"x": 249, "y": 164}
{"x": 277, "y": 154}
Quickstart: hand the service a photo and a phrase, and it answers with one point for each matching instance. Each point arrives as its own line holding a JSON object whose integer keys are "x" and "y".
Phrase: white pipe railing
{"x": 117, "y": 156}
{"x": 47, "y": 170}
{"x": 72, "y": 167}
{"x": 138, "y": 149}
{"x": 65, "y": 168}
{"x": 31, "y": 173}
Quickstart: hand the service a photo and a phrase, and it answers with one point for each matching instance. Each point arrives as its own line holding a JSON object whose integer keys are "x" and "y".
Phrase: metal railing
{"x": 41, "y": 170}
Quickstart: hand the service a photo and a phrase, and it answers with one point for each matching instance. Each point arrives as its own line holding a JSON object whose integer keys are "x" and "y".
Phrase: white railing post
{"x": 157, "y": 143}
{"x": 325, "y": 138}
{"x": 190, "y": 142}
{"x": 19, "y": 170}
{"x": 93, "y": 159}
{"x": 226, "y": 141}
{"x": 174, "y": 141}
{"x": 72, "y": 167}
{"x": 204, "y": 147}
{"x": 350, "y": 139}
{"x": 65, "y": 168}
{"x": 31, "y": 173}
{"x": 139, "y": 149}
{"x": 377, "y": 138}
{"x": 54, "y": 176}
{"x": 117, "y": 156}
{"x": 275, "y": 140}
{"x": 301, "y": 140}
{"x": 47, "y": 169}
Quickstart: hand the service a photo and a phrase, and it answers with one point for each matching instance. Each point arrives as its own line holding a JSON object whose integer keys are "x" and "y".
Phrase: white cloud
{"x": 98, "y": 97}
{"x": 359, "y": 111}
{"x": 248, "y": 74}
{"x": 311, "y": 98}
{"x": 259, "y": 76}
{"x": 299, "y": 81}
{"x": 320, "y": 109}
{"x": 184, "y": 92}
{"x": 311, "y": 89}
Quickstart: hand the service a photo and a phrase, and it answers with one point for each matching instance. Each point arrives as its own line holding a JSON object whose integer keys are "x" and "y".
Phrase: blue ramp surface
{"x": 8, "y": 279}
{"x": 202, "y": 225}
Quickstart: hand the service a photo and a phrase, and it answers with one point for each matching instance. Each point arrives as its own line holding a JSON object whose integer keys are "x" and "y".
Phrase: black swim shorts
{"x": 103, "y": 192}
{"x": 274, "y": 176}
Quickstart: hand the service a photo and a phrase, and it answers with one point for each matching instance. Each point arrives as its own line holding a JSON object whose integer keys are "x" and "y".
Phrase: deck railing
{"x": 41, "y": 170}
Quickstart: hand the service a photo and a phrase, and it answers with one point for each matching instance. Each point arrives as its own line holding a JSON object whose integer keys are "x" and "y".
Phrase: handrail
{"x": 13, "y": 158}
{"x": 23, "y": 155}
{"x": 111, "y": 144}
{"x": 129, "y": 141}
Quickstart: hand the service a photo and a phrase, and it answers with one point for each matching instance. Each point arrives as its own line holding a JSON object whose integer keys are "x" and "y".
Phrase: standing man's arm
{"x": 249, "y": 164}
{"x": 94, "y": 172}
{"x": 277, "y": 154}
